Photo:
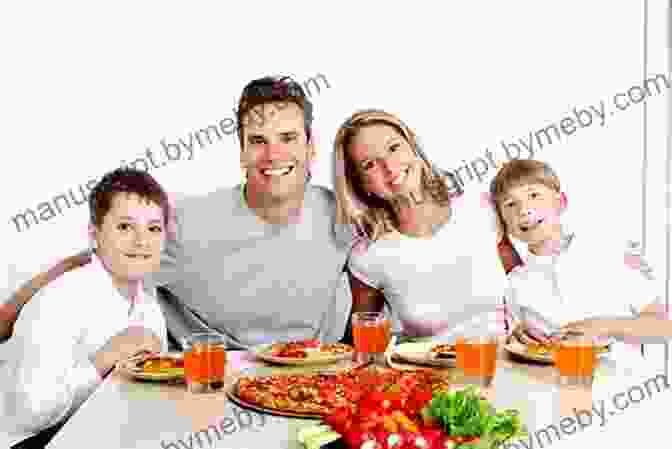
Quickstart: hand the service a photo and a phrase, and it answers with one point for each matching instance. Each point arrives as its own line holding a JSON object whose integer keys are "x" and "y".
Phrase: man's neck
{"x": 275, "y": 210}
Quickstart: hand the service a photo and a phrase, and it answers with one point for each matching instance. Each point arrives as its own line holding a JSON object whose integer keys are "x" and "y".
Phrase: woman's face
{"x": 386, "y": 163}
{"x": 131, "y": 238}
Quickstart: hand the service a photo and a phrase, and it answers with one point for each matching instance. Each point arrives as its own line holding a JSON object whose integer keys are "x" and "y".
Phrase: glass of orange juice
{"x": 371, "y": 332}
{"x": 204, "y": 362}
{"x": 477, "y": 358}
{"x": 575, "y": 359}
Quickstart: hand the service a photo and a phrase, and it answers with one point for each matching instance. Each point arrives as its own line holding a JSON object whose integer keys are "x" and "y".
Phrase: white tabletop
{"x": 124, "y": 414}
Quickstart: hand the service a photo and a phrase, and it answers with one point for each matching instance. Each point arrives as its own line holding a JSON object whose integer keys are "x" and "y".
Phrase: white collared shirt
{"x": 48, "y": 373}
{"x": 588, "y": 279}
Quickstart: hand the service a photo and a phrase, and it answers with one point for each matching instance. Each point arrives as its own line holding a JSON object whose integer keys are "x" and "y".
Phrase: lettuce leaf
{"x": 463, "y": 413}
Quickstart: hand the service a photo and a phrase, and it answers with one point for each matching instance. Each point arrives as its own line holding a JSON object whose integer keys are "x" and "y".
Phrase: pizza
{"x": 161, "y": 364}
{"x": 443, "y": 350}
{"x": 336, "y": 348}
{"x": 320, "y": 394}
{"x": 302, "y": 349}
{"x": 542, "y": 349}
{"x": 548, "y": 349}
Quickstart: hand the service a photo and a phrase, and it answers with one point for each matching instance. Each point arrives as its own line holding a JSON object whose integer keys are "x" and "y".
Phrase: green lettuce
{"x": 465, "y": 414}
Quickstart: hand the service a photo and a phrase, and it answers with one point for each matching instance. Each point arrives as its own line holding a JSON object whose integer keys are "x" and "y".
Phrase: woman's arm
{"x": 9, "y": 312}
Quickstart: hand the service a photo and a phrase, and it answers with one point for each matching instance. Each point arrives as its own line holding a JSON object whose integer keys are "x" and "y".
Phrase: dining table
{"x": 126, "y": 413}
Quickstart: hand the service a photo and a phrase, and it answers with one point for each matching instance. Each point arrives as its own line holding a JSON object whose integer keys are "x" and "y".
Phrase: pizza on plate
{"x": 320, "y": 394}
{"x": 443, "y": 350}
{"x": 548, "y": 349}
{"x": 159, "y": 364}
{"x": 302, "y": 349}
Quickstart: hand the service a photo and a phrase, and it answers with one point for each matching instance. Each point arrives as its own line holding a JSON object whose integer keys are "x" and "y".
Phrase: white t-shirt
{"x": 452, "y": 282}
{"x": 48, "y": 374}
{"x": 588, "y": 279}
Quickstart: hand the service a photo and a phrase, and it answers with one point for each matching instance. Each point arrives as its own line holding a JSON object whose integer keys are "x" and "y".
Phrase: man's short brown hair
{"x": 273, "y": 89}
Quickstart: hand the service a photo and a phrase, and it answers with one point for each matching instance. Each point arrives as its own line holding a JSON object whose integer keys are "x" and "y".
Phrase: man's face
{"x": 531, "y": 212}
{"x": 276, "y": 151}
{"x": 131, "y": 237}
{"x": 385, "y": 161}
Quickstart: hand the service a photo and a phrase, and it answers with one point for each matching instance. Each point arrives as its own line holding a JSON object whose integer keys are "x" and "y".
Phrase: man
{"x": 261, "y": 261}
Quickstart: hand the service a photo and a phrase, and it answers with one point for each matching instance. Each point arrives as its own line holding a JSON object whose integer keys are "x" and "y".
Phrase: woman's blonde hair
{"x": 370, "y": 215}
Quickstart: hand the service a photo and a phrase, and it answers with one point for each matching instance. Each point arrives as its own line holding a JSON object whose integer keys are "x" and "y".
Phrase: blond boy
{"x": 566, "y": 281}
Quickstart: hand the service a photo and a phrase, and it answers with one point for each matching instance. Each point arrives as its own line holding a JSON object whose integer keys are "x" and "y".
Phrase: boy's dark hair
{"x": 126, "y": 180}
{"x": 272, "y": 89}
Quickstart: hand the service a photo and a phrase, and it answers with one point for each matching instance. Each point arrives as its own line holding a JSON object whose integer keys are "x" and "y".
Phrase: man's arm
{"x": 9, "y": 312}
{"x": 365, "y": 298}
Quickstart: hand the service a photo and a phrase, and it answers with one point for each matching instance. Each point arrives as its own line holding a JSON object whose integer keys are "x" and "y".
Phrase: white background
{"x": 84, "y": 87}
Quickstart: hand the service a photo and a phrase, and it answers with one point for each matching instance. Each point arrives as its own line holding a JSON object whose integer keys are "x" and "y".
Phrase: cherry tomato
{"x": 432, "y": 436}
{"x": 355, "y": 438}
{"x": 407, "y": 383}
{"x": 340, "y": 420}
{"x": 311, "y": 343}
{"x": 353, "y": 394}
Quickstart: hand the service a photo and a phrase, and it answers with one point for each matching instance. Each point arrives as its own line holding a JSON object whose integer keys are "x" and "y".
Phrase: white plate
{"x": 420, "y": 354}
{"x": 314, "y": 356}
{"x": 520, "y": 350}
{"x": 130, "y": 368}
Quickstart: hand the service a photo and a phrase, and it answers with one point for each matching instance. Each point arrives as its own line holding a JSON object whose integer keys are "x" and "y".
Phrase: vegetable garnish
{"x": 465, "y": 414}
{"x": 403, "y": 416}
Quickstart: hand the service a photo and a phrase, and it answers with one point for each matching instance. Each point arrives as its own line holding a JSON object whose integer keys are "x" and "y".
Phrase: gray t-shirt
{"x": 253, "y": 281}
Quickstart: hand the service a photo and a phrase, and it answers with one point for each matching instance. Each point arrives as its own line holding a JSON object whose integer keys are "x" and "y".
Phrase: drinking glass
{"x": 204, "y": 362}
{"x": 575, "y": 359}
{"x": 371, "y": 332}
{"x": 477, "y": 358}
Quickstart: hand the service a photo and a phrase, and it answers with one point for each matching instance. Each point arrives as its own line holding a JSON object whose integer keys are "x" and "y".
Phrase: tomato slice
{"x": 330, "y": 395}
{"x": 339, "y": 420}
{"x": 356, "y": 437}
{"x": 408, "y": 382}
{"x": 370, "y": 419}
{"x": 315, "y": 343}
{"x": 354, "y": 394}
{"x": 432, "y": 436}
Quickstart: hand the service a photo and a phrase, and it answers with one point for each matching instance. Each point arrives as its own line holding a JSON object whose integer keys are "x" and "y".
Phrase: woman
{"x": 72, "y": 334}
{"x": 432, "y": 253}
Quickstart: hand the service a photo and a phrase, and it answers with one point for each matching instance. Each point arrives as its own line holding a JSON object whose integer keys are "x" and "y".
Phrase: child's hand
{"x": 528, "y": 334}
{"x": 590, "y": 328}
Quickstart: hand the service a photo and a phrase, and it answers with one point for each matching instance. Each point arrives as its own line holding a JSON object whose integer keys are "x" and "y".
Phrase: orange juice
{"x": 204, "y": 364}
{"x": 477, "y": 358}
{"x": 575, "y": 360}
{"x": 371, "y": 336}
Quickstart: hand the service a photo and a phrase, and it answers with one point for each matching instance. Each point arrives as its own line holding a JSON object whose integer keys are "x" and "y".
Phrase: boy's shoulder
{"x": 67, "y": 292}
{"x": 610, "y": 252}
